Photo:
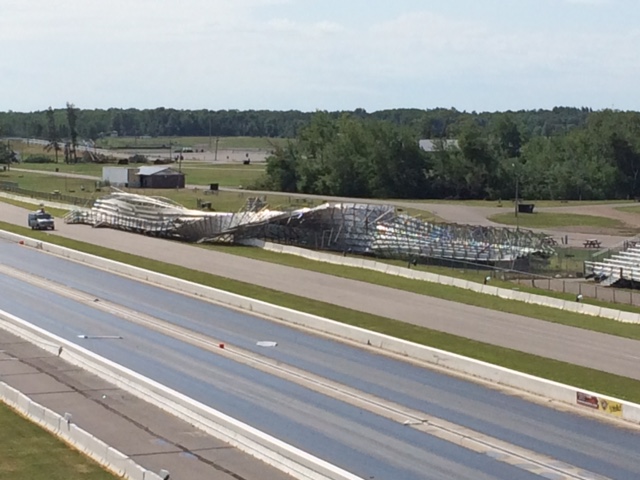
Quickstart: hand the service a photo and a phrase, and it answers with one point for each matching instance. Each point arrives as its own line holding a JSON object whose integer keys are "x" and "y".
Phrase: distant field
{"x": 556, "y": 220}
{"x": 207, "y": 143}
{"x": 28, "y": 452}
{"x": 228, "y": 175}
{"x": 509, "y": 204}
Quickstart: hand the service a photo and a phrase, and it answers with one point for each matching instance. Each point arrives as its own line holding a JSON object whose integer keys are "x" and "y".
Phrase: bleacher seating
{"x": 620, "y": 269}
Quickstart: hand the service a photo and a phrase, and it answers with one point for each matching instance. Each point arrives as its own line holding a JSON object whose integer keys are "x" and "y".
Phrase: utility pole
{"x": 215, "y": 158}
{"x": 517, "y": 194}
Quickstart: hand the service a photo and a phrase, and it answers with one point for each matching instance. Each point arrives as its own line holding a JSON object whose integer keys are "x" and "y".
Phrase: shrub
{"x": 39, "y": 159}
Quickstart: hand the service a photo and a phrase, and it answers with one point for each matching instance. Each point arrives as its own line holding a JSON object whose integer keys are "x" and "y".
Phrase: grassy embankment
{"x": 586, "y": 378}
{"x": 27, "y": 452}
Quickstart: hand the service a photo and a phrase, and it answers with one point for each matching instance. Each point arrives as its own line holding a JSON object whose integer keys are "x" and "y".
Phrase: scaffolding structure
{"x": 366, "y": 229}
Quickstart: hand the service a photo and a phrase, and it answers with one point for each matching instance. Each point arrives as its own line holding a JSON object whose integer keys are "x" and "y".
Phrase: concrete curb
{"x": 569, "y": 306}
{"x": 485, "y": 371}
{"x": 110, "y": 458}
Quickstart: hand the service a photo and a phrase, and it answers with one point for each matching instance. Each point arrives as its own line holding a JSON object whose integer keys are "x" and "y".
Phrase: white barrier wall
{"x": 569, "y": 306}
{"x": 108, "y": 457}
{"x": 538, "y": 386}
{"x": 291, "y": 460}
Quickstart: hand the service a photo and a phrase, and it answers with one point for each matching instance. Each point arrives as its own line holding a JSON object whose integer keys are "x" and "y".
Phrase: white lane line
{"x": 525, "y": 459}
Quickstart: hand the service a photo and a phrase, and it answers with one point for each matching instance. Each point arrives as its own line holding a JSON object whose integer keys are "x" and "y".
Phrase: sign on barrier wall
{"x": 599, "y": 403}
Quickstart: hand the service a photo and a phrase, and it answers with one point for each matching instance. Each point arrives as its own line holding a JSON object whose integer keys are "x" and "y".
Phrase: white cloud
{"x": 256, "y": 54}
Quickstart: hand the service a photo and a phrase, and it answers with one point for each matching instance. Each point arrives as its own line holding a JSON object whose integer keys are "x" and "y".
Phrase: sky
{"x": 473, "y": 55}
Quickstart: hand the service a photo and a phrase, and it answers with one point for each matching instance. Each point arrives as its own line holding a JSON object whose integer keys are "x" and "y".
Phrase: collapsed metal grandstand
{"x": 358, "y": 228}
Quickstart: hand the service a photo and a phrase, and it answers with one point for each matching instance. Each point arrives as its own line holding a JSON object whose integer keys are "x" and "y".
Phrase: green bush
{"x": 39, "y": 159}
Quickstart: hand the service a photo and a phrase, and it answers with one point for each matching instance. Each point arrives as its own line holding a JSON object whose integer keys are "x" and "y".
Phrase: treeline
{"x": 436, "y": 123}
{"x": 350, "y": 156}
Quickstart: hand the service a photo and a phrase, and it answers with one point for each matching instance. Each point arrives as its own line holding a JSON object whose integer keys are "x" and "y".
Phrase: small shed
{"x": 158, "y": 176}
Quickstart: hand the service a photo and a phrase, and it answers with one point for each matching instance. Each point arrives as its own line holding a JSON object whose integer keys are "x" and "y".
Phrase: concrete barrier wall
{"x": 481, "y": 370}
{"x": 295, "y": 462}
{"x": 569, "y": 306}
{"x": 108, "y": 457}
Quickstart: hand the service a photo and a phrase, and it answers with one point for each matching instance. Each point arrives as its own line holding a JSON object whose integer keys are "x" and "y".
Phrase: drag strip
{"x": 369, "y": 414}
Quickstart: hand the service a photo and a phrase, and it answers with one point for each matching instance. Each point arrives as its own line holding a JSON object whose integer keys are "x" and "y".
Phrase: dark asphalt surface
{"x": 581, "y": 347}
{"x": 368, "y": 445}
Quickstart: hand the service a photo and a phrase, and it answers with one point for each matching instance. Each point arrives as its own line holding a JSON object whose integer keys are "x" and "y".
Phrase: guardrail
{"x": 285, "y": 457}
{"x": 566, "y": 394}
{"x": 110, "y": 458}
{"x": 532, "y": 298}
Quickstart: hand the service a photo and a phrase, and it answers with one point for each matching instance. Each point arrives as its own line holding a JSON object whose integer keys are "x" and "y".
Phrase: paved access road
{"x": 581, "y": 347}
{"x": 357, "y": 422}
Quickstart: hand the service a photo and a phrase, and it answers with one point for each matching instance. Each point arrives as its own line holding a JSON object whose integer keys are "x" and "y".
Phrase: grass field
{"x": 555, "y": 220}
{"x": 509, "y": 204}
{"x": 634, "y": 209}
{"x": 586, "y": 378}
{"x": 237, "y": 176}
{"x": 27, "y": 452}
{"x": 207, "y": 143}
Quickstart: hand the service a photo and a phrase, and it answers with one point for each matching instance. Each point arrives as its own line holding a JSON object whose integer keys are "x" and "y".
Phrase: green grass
{"x": 585, "y": 378}
{"x": 27, "y": 452}
{"x": 239, "y": 176}
{"x": 509, "y": 204}
{"x": 634, "y": 209}
{"x": 552, "y": 220}
{"x": 93, "y": 169}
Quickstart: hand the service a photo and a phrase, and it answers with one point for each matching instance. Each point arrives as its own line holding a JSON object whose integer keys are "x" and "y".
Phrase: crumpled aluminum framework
{"x": 357, "y": 228}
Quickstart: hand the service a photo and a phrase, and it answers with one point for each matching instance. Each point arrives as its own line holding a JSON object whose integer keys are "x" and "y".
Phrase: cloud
{"x": 276, "y": 54}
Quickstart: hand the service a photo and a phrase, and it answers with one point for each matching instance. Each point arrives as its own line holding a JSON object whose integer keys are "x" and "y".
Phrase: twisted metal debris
{"x": 343, "y": 227}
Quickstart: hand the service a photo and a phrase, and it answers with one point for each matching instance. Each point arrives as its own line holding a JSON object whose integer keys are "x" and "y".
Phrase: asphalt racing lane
{"x": 363, "y": 443}
{"x": 475, "y": 414}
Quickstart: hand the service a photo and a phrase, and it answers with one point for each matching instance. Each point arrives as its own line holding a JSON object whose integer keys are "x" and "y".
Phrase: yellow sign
{"x": 610, "y": 407}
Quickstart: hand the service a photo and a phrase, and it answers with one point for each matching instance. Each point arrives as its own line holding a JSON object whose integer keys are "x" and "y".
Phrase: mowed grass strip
{"x": 586, "y": 378}
{"x": 552, "y": 220}
{"x": 28, "y": 452}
